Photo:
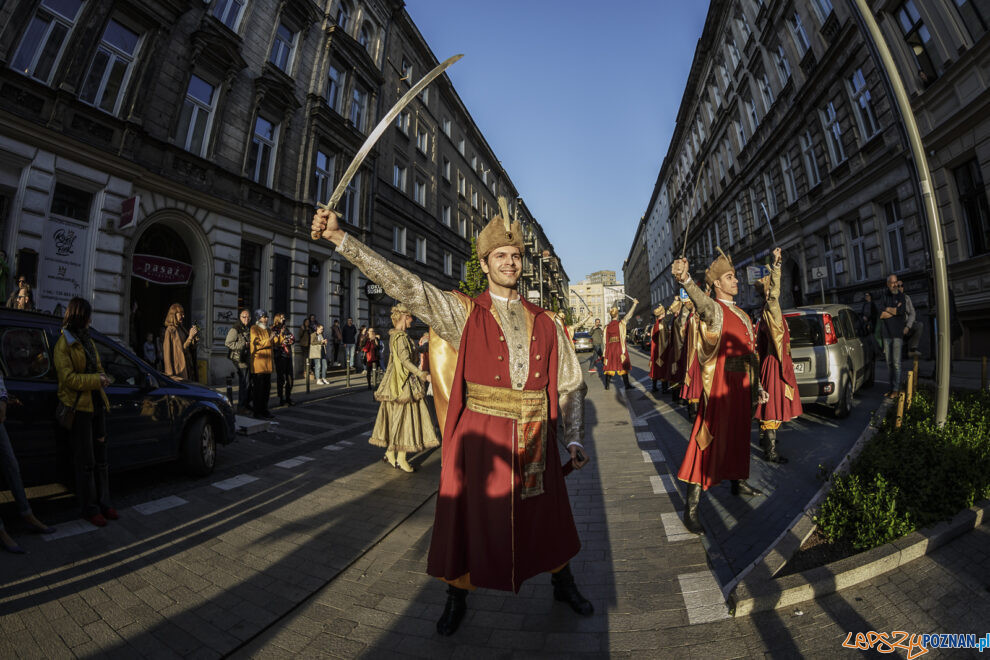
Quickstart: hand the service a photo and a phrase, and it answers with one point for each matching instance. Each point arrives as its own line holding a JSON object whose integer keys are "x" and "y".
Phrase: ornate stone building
{"x": 787, "y": 121}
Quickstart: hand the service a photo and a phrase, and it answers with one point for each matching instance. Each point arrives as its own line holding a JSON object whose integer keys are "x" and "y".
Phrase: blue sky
{"x": 578, "y": 100}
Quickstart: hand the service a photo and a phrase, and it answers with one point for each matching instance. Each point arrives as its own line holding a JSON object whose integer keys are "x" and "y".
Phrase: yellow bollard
{"x": 900, "y": 410}
{"x": 910, "y": 389}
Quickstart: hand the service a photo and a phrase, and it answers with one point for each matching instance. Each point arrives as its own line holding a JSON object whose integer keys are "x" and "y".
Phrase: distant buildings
{"x": 787, "y": 121}
{"x": 592, "y": 299}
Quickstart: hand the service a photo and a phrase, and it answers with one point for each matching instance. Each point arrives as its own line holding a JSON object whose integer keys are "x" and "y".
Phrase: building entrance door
{"x": 161, "y": 274}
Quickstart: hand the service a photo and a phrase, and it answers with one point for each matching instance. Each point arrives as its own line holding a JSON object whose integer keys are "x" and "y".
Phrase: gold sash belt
{"x": 614, "y": 340}
{"x": 528, "y": 408}
{"x": 741, "y": 363}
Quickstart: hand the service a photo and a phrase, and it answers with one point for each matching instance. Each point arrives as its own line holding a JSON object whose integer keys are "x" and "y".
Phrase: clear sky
{"x": 578, "y": 100}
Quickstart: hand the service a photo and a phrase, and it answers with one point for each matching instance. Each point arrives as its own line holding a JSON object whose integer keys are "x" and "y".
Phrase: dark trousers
{"x": 89, "y": 449}
{"x": 262, "y": 386}
{"x": 336, "y": 352}
{"x": 371, "y": 368}
{"x": 283, "y": 374}
{"x": 243, "y": 387}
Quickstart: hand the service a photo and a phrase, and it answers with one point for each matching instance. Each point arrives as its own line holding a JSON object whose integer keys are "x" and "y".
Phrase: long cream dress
{"x": 404, "y": 422}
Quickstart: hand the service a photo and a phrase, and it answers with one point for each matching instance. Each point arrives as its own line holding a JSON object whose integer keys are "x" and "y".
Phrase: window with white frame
{"x": 833, "y": 134}
{"x": 474, "y": 163}
{"x": 728, "y": 152}
{"x": 724, "y": 75}
{"x": 895, "y": 246}
{"x": 460, "y": 146}
{"x": 366, "y": 37}
{"x": 799, "y": 33}
{"x": 744, "y": 28}
{"x": 740, "y": 132}
{"x": 359, "y": 107}
{"x": 484, "y": 209}
{"x": 474, "y": 199}
{"x": 972, "y": 194}
{"x": 822, "y": 9}
{"x": 755, "y": 208}
{"x": 857, "y": 248}
{"x": 859, "y": 94}
{"x": 335, "y": 83}
{"x": 783, "y": 66}
{"x": 196, "y": 117}
{"x": 716, "y": 94}
{"x": 721, "y": 165}
{"x": 406, "y": 71}
{"x": 769, "y": 193}
{"x": 448, "y": 263}
{"x": 419, "y": 192}
{"x": 810, "y": 162}
{"x": 917, "y": 37}
{"x": 283, "y": 48}
{"x": 446, "y": 127}
{"x": 728, "y": 226}
{"x": 446, "y": 168}
{"x": 462, "y": 226}
{"x": 461, "y": 185}
{"x": 399, "y": 239}
{"x": 754, "y": 118}
{"x": 421, "y": 250}
{"x": 399, "y": 176}
{"x": 787, "y": 174}
{"x": 424, "y": 96}
{"x": 463, "y": 271}
{"x": 445, "y": 215}
{"x": 730, "y": 44}
{"x": 110, "y": 70}
{"x": 261, "y": 155}
{"x": 352, "y": 202}
{"x": 765, "y": 91}
{"x": 323, "y": 176}
{"x": 229, "y": 12}
{"x": 402, "y": 122}
{"x": 343, "y": 16}
{"x": 422, "y": 139}
{"x": 740, "y": 221}
{"x": 44, "y": 40}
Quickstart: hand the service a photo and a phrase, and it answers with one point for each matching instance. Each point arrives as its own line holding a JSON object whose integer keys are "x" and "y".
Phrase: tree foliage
{"x": 475, "y": 281}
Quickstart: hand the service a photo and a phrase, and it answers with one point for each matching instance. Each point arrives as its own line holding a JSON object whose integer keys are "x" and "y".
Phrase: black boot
{"x": 566, "y": 591}
{"x": 769, "y": 444}
{"x": 608, "y": 379}
{"x": 625, "y": 379}
{"x": 453, "y": 611}
{"x": 740, "y": 487}
{"x": 691, "y": 520}
{"x": 692, "y": 410}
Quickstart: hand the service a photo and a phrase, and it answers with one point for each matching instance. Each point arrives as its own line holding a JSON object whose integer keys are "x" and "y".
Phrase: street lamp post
{"x": 939, "y": 267}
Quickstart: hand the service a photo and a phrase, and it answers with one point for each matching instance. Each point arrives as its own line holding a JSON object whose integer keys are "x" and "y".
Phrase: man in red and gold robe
{"x": 616, "y": 358}
{"x": 502, "y": 515}
{"x": 658, "y": 341}
{"x": 773, "y": 341}
{"x": 719, "y": 445}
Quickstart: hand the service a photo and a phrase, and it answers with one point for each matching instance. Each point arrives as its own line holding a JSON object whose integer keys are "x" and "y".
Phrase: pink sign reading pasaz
{"x": 160, "y": 270}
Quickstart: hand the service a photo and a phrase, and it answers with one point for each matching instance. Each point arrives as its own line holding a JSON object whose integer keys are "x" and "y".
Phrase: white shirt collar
{"x": 727, "y": 302}
{"x": 503, "y": 299}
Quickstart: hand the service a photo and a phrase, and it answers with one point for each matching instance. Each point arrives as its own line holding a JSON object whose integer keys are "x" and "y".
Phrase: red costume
{"x": 691, "y": 389}
{"x": 657, "y": 345}
{"x": 616, "y": 357}
{"x": 719, "y": 444}
{"x": 777, "y": 376}
{"x": 668, "y": 357}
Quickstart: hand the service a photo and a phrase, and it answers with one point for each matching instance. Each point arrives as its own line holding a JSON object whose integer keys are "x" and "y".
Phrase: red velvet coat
{"x": 615, "y": 361}
{"x": 656, "y": 349}
{"x": 775, "y": 373}
{"x": 483, "y": 528}
{"x": 668, "y": 369}
{"x": 724, "y": 415}
{"x": 694, "y": 388}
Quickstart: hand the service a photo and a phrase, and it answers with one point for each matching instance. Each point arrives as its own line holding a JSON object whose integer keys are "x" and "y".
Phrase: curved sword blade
{"x": 382, "y": 126}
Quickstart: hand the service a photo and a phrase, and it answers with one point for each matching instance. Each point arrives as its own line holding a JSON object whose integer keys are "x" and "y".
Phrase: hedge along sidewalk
{"x": 757, "y": 589}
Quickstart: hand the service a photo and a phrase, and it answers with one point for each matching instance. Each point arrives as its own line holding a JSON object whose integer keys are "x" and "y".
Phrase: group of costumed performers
{"x": 616, "y": 357}
{"x": 734, "y": 372}
{"x": 502, "y": 513}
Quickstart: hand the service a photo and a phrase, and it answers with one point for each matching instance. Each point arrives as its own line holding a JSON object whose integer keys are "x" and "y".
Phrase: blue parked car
{"x": 152, "y": 418}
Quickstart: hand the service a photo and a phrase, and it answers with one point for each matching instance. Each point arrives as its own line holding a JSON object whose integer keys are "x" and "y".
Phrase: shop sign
{"x": 374, "y": 292}
{"x": 160, "y": 270}
{"x": 60, "y": 267}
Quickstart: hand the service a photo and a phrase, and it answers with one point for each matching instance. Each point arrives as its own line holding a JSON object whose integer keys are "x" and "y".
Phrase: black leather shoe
{"x": 740, "y": 487}
{"x": 453, "y": 611}
{"x": 565, "y": 591}
{"x": 691, "y": 520}
{"x": 769, "y": 444}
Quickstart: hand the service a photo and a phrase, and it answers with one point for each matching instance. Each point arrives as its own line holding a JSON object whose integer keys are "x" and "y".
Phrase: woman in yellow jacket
{"x": 81, "y": 382}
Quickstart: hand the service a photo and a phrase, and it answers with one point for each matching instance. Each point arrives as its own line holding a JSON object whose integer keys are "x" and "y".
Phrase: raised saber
{"x": 767, "y": 216}
{"x": 694, "y": 193}
{"x": 379, "y": 130}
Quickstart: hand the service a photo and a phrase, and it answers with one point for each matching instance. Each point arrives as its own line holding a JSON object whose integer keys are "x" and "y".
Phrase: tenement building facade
{"x": 787, "y": 135}
{"x": 169, "y": 151}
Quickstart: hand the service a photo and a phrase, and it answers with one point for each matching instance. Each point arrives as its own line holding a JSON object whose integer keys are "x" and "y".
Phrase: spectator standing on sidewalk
{"x": 11, "y": 472}
{"x": 316, "y": 358}
{"x": 81, "y": 384}
{"x": 598, "y": 343}
{"x": 238, "y": 343}
{"x": 283, "y": 339}
{"x": 892, "y": 329}
{"x": 338, "y": 338}
{"x": 177, "y": 345}
{"x": 372, "y": 350}
{"x": 869, "y": 312}
{"x": 362, "y": 338}
{"x": 21, "y": 283}
{"x": 349, "y": 334}
{"x": 912, "y": 329}
{"x": 261, "y": 364}
{"x": 148, "y": 349}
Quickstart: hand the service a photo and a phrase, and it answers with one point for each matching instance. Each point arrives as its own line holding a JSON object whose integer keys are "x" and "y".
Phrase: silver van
{"x": 833, "y": 355}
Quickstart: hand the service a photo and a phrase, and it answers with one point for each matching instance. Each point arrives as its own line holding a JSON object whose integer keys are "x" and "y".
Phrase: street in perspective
{"x": 291, "y": 365}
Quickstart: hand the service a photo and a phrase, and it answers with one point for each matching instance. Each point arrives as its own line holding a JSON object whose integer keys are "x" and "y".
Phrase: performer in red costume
{"x": 668, "y": 357}
{"x": 502, "y": 512}
{"x": 658, "y": 342}
{"x": 719, "y": 445}
{"x": 616, "y": 355}
{"x": 773, "y": 341}
{"x": 691, "y": 386}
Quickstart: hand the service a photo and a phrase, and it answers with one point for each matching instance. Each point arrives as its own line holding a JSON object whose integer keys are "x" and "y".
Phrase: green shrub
{"x": 912, "y": 476}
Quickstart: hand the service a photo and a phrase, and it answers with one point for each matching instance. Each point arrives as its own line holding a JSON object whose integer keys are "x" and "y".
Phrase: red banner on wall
{"x": 160, "y": 270}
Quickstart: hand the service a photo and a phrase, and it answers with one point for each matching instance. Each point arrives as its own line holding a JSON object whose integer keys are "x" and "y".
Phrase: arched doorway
{"x": 161, "y": 274}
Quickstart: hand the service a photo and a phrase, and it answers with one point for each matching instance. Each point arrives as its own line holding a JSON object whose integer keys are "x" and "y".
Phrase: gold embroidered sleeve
{"x": 570, "y": 390}
{"x": 709, "y": 310}
{"x": 773, "y": 300}
{"x": 445, "y": 312}
{"x": 403, "y": 353}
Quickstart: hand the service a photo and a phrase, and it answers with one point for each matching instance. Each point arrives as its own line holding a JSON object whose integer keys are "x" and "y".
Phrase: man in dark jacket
{"x": 238, "y": 344}
{"x": 892, "y": 325}
{"x": 598, "y": 343}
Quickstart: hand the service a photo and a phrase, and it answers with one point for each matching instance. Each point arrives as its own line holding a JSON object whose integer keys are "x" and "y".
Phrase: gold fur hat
{"x": 719, "y": 267}
{"x": 500, "y": 232}
{"x": 659, "y": 311}
{"x": 613, "y": 312}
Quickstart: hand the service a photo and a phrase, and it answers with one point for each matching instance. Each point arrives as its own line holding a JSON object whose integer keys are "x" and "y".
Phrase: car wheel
{"x": 844, "y": 405}
{"x": 200, "y": 447}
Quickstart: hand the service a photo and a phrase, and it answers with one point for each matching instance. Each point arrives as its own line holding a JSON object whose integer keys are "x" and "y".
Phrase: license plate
{"x": 799, "y": 367}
